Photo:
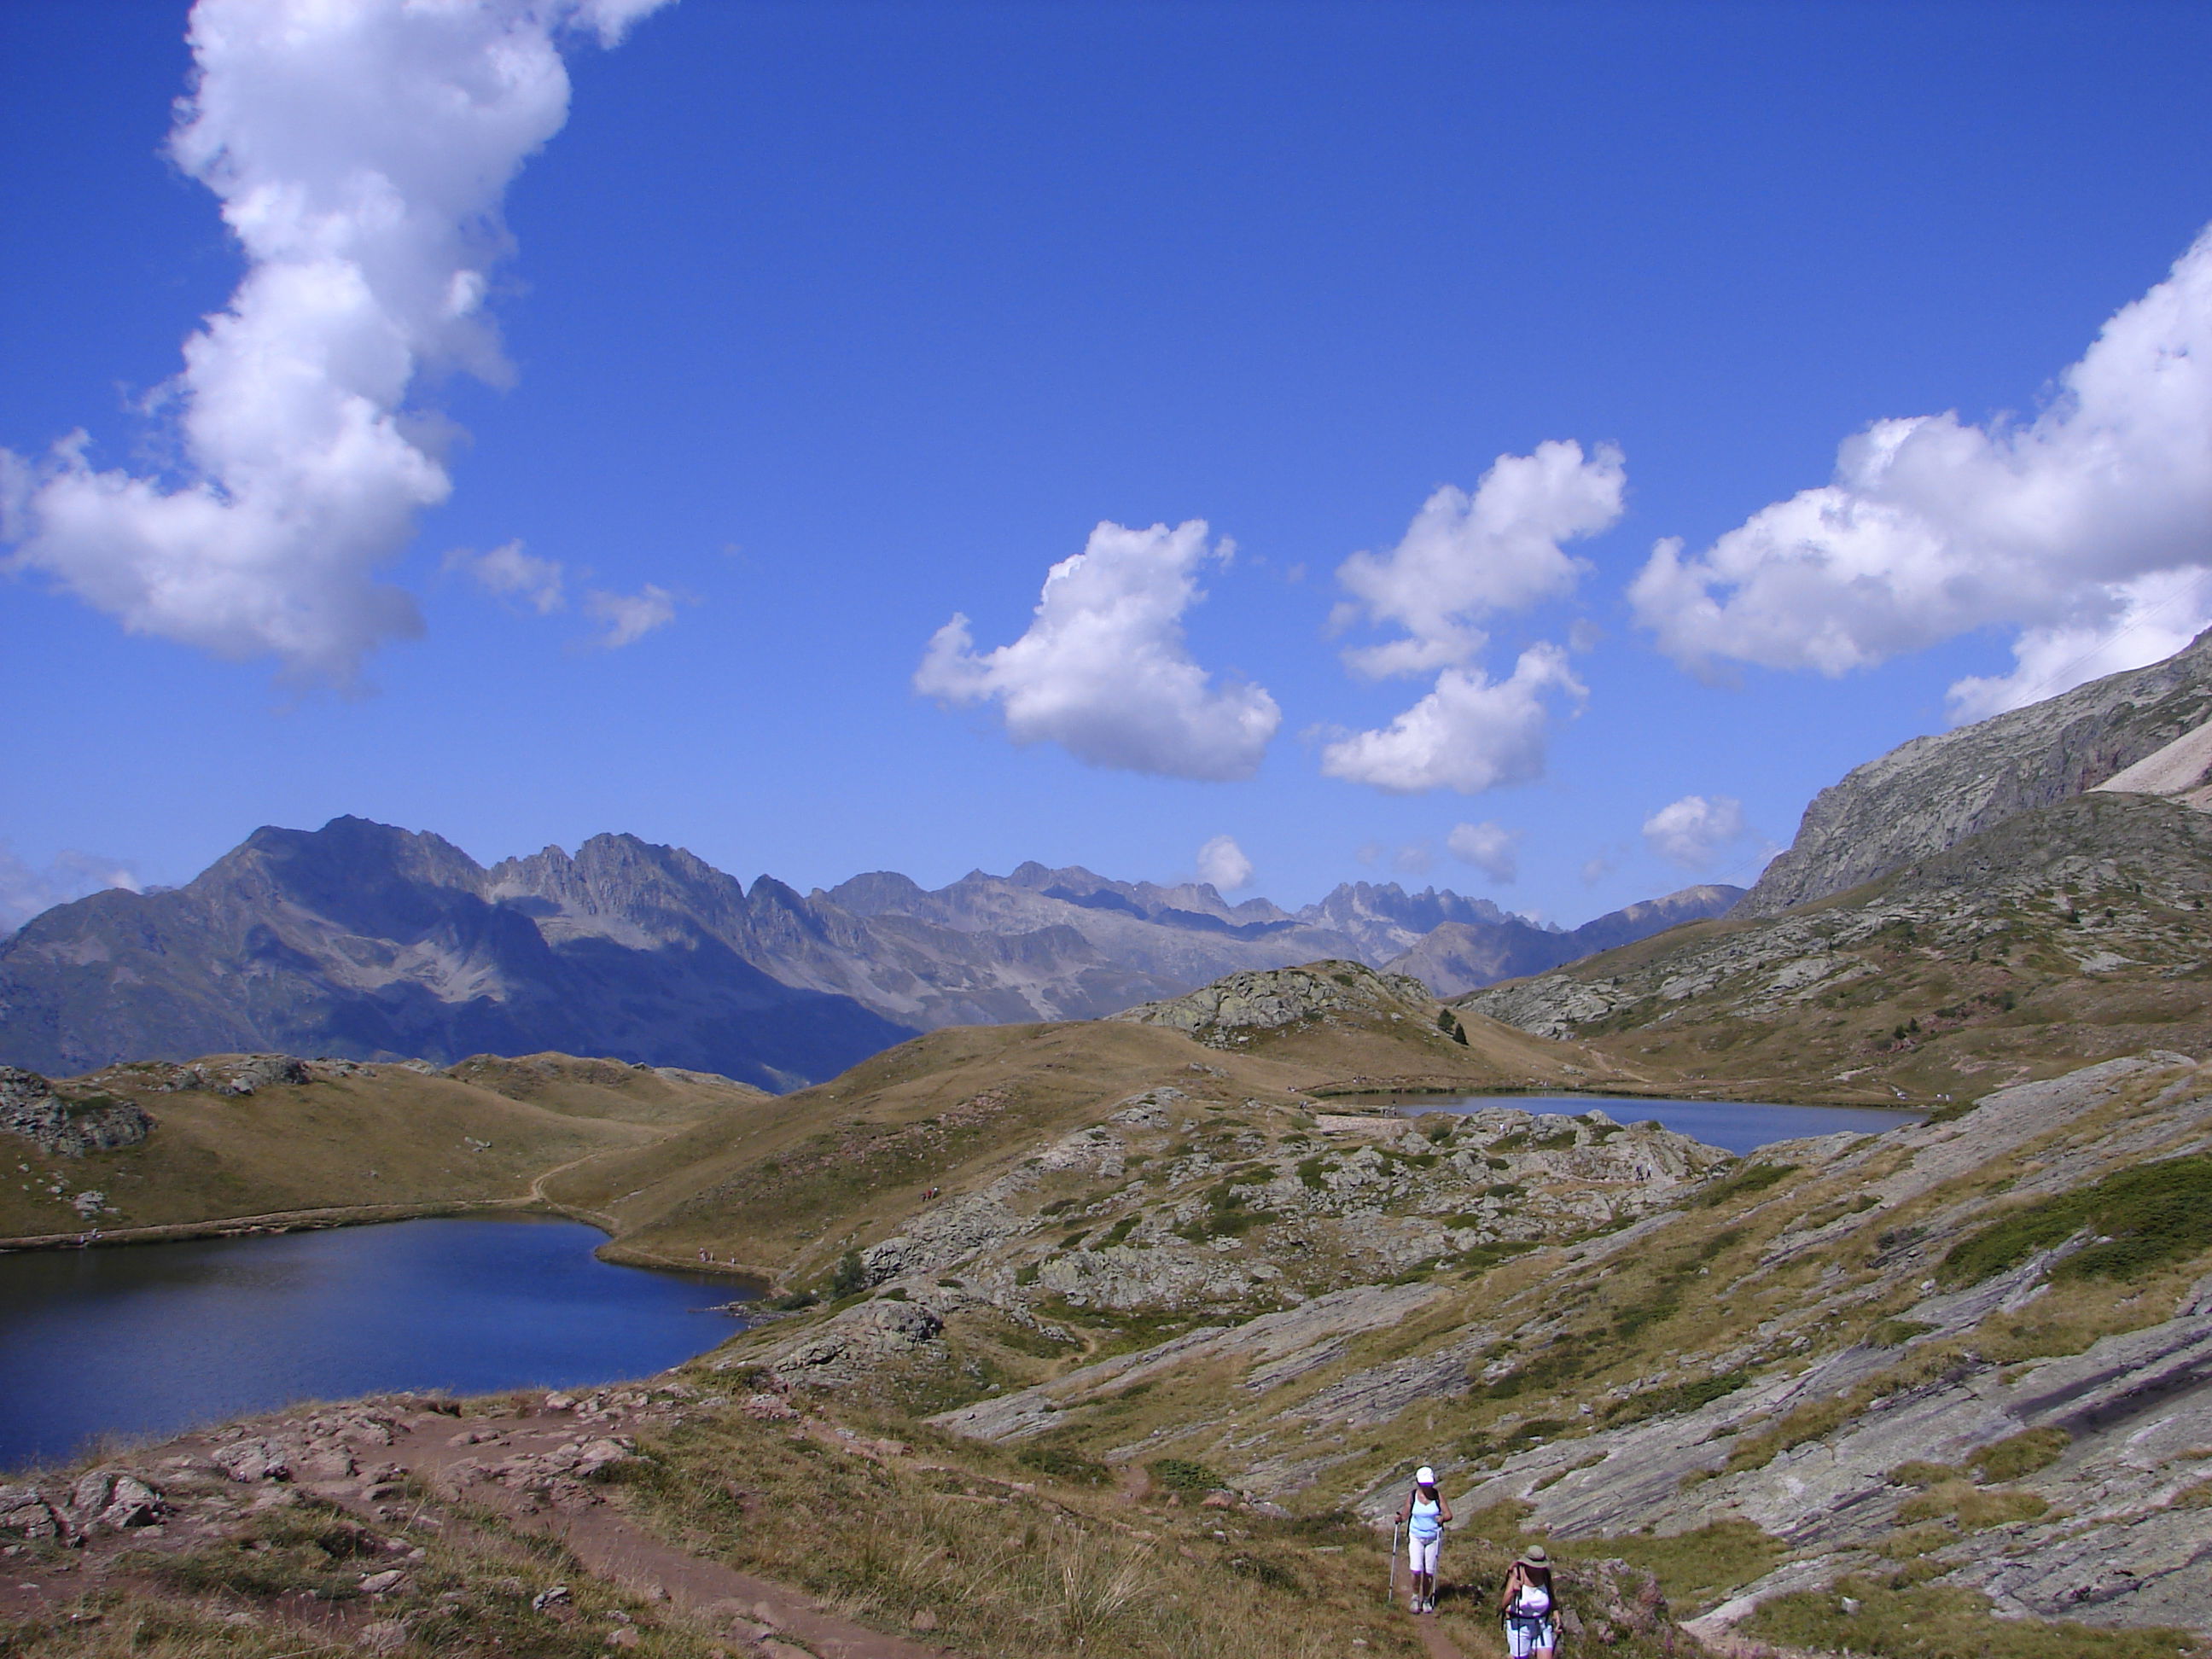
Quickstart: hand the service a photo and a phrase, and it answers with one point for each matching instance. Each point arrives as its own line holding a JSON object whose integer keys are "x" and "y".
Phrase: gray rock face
{"x": 1930, "y": 793}
{"x": 1216, "y": 1014}
{"x": 68, "y": 1128}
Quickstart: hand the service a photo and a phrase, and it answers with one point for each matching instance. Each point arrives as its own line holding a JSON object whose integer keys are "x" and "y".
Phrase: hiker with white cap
{"x": 1424, "y": 1517}
{"x": 1529, "y": 1608}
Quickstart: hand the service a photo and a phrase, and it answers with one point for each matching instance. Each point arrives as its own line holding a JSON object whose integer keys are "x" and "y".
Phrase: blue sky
{"x": 823, "y": 322}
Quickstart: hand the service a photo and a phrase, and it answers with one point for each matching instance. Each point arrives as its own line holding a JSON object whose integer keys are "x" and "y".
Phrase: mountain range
{"x": 365, "y": 941}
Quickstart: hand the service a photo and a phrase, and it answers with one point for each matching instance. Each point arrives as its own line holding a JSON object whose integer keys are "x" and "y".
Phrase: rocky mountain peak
{"x": 1932, "y": 792}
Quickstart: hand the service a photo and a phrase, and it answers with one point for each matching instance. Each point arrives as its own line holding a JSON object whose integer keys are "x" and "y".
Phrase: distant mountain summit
{"x": 364, "y": 941}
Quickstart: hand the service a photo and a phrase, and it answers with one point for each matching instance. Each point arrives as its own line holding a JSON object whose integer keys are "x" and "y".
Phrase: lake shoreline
{"x": 325, "y": 1217}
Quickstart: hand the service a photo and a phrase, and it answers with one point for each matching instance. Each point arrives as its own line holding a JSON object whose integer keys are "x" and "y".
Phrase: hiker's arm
{"x": 1443, "y": 1510}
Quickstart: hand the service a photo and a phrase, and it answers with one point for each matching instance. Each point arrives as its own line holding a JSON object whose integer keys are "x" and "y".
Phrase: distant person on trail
{"x": 1531, "y": 1611}
{"x": 1424, "y": 1518}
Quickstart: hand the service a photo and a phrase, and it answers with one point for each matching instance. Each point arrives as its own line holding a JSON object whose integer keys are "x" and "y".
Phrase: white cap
{"x": 1424, "y": 1476}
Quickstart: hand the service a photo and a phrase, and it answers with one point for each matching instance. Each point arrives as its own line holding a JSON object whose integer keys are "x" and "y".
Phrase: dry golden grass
{"x": 389, "y": 1136}
{"x": 1007, "y": 1561}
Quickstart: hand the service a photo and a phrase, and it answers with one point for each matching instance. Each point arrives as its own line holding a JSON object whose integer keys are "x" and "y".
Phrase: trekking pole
{"x": 1394, "y": 1525}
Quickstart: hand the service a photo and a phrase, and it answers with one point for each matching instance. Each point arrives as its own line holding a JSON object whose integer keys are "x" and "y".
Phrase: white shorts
{"x": 1422, "y": 1552}
{"x": 1524, "y": 1636}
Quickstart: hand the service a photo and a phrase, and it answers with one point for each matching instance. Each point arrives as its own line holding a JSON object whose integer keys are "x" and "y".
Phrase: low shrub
{"x": 1070, "y": 1467}
{"x": 1181, "y": 1474}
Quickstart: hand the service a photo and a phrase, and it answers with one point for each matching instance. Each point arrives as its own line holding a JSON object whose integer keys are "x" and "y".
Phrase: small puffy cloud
{"x": 541, "y": 586}
{"x": 511, "y": 574}
{"x": 626, "y": 618}
{"x": 1222, "y": 862}
{"x": 1470, "y": 734}
{"x": 1415, "y": 858}
{"x": 2065, "y": 526}
{"x": 1466, "y": 556}
{"x": 360, "y": 151}
{"x": 1596, "y": 868}
{"x": 26, "y": 889}
{"x": 1103, "y": 670}
{"x": 1693, "y": 831}
{"x": 1490, "y": 847}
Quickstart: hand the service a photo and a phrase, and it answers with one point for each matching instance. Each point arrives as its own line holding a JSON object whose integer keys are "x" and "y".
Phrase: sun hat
{"x": 1424, "y": 1476}
{"x": 1535, "y": 1556}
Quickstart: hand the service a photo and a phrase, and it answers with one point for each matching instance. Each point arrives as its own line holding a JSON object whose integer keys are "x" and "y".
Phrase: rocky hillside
{"x": 1960, "y": 1374}
{"x": 369, "y": 942}
{"x": 2073, "y": 933}
{"x": 786, "y": 1190}
{"x": 1932, "y": 792}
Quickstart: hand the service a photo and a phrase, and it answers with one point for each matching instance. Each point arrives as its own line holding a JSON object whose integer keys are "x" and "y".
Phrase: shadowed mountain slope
{"x": 366, "y": 941}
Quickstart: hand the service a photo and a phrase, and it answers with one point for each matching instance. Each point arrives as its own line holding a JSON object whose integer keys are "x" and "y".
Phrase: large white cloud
{"x": 1465, "y": 557}
{"x": 1471, "y": 733}
{"x": 361, "y": 149}
{"x": 1103, "y": 670}
{"x": 2074, "y": 527}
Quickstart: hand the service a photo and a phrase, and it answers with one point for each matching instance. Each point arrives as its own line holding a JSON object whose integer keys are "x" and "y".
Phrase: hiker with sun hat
{"x": 1529, "y": 1607}
{"x": 1424, "y": 1517}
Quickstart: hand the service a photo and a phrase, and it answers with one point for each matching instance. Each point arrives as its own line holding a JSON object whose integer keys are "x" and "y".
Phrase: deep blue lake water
{"x": 152, "y": 1339}
{"x": 1740, "y": 1128}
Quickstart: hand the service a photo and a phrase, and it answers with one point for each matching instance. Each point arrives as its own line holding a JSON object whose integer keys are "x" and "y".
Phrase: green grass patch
{"x": 1058, "y": 1463}
{"x": 1675, "y": 1399}
{"x": 2019, "y": 1456}
{"x": 1698, "y": 1570}
{"x": 1181, "y": 1474}
{"x": 2145, "y": 1217}
{"x": 1930, "y": 1621}
{"x": 1751, "y": 1178}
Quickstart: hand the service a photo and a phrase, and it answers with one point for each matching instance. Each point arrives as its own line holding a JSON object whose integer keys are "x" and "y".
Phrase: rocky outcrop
{"x": 1234, "y": 1008}
{"x": 68, "y": 1128}
{"x": 1929, "y": 795}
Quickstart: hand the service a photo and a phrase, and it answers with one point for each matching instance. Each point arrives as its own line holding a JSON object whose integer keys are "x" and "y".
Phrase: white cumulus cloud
{"x": 626, "y": 618}
{"x": 1103, "y": 670}
{"x": 1490, "y": 847}
{"x": 1470, "y": 734}
{"x": 1222, "y": 862}
{"x": 360, "y": 149}
{"x": 1693, "y": 831}
{"x": 1465, "y": 557}
{"x": 539, "y": 585}
{"x": 2079, "y": 526}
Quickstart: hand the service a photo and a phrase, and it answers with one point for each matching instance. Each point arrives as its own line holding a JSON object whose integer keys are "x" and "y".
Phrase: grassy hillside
{"x": 2071, "y": 935}
{"x": 351, "y": 1134}
{"x": 789, "y": 1186}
